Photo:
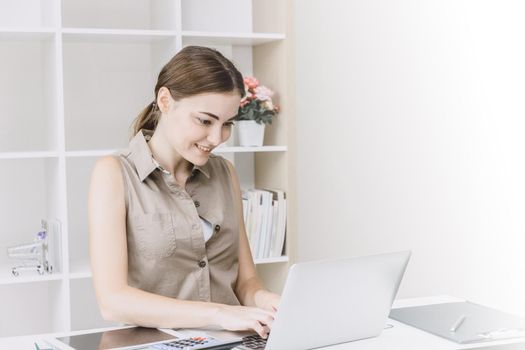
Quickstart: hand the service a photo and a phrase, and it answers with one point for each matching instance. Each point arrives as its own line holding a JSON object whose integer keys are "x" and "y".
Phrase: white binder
{"x": 462, "y": 322}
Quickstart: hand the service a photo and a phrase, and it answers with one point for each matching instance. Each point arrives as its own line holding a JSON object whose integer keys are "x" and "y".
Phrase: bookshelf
{"x": 92, "y": 67}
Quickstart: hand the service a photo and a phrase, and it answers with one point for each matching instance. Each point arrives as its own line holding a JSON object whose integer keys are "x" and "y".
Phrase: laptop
{"x": 330, "y": 302}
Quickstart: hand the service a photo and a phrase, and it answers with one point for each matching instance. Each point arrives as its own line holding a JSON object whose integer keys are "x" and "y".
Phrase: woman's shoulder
{"x": 106, "y": 190}
{"x": 108, "y": 168}
{"x": 108, "y": 163}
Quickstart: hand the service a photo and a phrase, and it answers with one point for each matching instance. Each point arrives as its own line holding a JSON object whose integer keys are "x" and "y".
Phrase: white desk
{"x": 400, "y": 336}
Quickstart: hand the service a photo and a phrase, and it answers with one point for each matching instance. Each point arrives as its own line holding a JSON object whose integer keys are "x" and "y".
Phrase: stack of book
{"x": 265, "y": 221}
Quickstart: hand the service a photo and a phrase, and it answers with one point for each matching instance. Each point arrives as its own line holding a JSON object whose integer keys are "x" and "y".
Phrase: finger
{"x": 257, "y": 327}
{"x": 267, "y": 321}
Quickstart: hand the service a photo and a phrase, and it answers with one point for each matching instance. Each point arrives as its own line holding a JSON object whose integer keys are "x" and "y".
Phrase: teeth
{"x": 204, "y": 149}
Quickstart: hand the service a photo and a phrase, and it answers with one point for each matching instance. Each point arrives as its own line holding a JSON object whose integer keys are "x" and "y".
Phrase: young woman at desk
{"x": 167, "y": 239}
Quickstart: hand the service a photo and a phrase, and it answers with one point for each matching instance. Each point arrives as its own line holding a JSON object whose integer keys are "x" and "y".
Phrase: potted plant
{"x": 255, "y": 111}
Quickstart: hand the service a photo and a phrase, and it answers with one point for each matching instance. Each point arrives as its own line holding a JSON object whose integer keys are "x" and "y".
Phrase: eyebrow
{"x": 214, "y": 116}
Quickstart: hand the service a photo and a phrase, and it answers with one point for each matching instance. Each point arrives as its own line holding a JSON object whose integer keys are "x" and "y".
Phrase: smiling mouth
{"x": 203, "y": 148}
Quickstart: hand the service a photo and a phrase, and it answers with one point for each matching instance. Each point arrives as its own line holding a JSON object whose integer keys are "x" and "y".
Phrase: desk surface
{"x": 400, "y": 336}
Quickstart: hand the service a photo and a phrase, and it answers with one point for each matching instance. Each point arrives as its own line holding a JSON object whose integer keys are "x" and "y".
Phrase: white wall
{"x": 411, "y": 135}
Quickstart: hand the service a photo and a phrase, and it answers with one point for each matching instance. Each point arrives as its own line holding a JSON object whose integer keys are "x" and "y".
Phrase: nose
{"x": 215, "y": 136}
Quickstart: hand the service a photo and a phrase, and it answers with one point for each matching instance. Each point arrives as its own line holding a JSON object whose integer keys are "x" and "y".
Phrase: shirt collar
{"x": 144, "y": 161}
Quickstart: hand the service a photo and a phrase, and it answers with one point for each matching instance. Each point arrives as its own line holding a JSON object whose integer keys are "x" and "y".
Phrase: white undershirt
{"x": 206, "y": 229}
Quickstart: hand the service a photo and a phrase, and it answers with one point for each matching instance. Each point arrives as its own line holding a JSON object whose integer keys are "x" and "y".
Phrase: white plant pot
{"x": 250, "y": 133}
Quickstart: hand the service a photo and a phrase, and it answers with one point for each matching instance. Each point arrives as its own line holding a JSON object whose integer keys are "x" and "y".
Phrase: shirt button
{"x": 217, "y": 228}
{"x": 197, "y": 204}
{"x": 202, "y": 264}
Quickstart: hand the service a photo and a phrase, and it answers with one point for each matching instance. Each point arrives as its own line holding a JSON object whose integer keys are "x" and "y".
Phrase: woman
{"x": 167, "y": 239}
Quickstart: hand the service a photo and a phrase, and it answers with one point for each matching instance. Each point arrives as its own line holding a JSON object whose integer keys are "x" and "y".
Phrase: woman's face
{"x": 195, "y": 125}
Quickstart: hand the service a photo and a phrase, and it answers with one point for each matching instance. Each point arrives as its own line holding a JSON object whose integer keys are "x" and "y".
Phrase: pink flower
{"x": 257, "y": 103}
{"x": 251, "y": 82}
{"x": 263, "y": 93}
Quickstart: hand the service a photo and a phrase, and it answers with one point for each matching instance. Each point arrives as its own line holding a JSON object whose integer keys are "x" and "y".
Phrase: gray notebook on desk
{"x": 479, "y": 323}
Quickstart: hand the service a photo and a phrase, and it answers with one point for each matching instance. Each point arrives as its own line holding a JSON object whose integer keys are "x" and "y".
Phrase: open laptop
{"x": 332, "y": 301}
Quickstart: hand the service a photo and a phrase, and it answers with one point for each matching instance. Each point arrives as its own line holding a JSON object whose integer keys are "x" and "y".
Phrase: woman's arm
{"x": 249, "y": 288}
{"x": 122, "y": 303}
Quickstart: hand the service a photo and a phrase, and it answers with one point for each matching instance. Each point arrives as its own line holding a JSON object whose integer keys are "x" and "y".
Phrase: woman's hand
{"x": 267, "y": 300}
{"x": 241, "y": 318}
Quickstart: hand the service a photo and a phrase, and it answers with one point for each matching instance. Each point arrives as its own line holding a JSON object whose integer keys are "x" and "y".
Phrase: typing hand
{"x": 241, "y": 318}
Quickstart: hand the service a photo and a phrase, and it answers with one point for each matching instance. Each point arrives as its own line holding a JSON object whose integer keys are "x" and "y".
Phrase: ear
{"x": 164, "y": 99}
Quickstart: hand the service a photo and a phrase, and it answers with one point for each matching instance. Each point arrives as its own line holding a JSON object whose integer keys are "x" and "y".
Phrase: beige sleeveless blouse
{"x": 167, "y": 253}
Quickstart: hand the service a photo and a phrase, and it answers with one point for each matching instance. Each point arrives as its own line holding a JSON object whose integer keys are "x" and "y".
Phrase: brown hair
{"x": 193, "y": 70}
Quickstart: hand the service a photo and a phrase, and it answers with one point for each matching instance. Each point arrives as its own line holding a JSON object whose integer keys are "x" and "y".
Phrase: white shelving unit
{"x": 75, "y": 74}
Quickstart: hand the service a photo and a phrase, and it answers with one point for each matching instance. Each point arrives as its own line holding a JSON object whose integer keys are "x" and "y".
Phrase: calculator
{"x": 196, "y": 343}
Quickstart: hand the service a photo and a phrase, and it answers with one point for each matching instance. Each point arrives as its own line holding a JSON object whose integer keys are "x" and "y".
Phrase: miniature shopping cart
{"x": 32, "y": 256}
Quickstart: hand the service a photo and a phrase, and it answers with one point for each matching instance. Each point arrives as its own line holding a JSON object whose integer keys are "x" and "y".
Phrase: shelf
{"x": 279, "y": 259}
{"x": 22, "y": 33}
{"x": 188, "y": 37}
{"x": 115, "y": 35}
{"x": 28, "y": 155}
{"x": 238, "y": 149}
{"x": 7, "y": 278}
{"x": 213, "y": 38}
{"x": 93, "y": 153}
{"x": 92, "y": 67}
{"x": 80, "y": 275}
{"x": 80, "y": 269}
{"x": 218, "y": 150}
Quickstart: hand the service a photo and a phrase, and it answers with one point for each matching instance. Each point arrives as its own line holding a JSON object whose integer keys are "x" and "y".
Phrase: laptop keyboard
{"x": 254, "y": 342}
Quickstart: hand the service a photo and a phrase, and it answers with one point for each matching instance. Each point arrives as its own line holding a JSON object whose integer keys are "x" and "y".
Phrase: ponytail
{"x": 147, "y": 119}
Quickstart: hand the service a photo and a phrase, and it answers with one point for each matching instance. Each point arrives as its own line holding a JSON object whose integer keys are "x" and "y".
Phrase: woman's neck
{"x": 169, "y": 159}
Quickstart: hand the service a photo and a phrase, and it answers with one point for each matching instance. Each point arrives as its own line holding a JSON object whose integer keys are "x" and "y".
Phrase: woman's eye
{"x": 229, "y": 124}
{"x": 204, "y": 121}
